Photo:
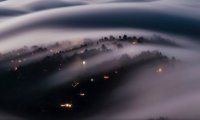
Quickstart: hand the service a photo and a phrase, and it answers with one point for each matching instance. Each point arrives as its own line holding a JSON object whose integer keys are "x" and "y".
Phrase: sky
{"x": 19, "y": 19}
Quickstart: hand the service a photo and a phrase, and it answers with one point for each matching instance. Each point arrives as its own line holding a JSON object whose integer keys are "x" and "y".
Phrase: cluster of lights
{"x": 16, "y": 63}
{"x": 83, "y": 94}
{"x": 77, "y": 83}
{"x": 67, "y": 105}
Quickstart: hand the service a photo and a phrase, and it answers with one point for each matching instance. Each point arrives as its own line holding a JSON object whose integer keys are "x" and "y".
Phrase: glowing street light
{"x": 106, "y": 77}
{"x": 82, "y": 94}
{"x": 159, "y": 70}
{"x": 84, "y": 62}
{"x": 92, "y": 79}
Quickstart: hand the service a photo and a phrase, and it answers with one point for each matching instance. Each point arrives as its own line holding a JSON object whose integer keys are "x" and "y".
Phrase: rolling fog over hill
{"x": 99, "y": 59}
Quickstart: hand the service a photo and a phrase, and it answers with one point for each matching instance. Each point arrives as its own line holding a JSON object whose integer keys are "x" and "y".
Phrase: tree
{"x": 112, "y": 37}
{"x": 120, "y": 37}
{"x": 105, "y": 38}
{"x": 125, "y": 37}
{"x": 103, "y": 47}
